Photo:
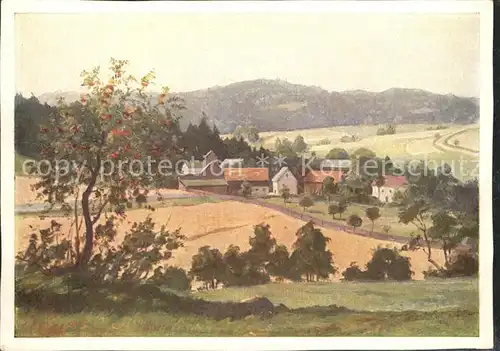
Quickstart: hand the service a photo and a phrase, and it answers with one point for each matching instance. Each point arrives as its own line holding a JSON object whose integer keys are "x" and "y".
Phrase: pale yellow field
{"x": 410, "y": 140}
{"x": 24, "y": 194}
{"x": 221, "y": 224}
{"x": 468, "y": 139}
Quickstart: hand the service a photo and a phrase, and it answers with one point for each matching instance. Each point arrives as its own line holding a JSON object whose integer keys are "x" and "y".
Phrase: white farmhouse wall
{"x": 383, "y": 193}
{"x": 287, "y": 179}
{"x": 260, "y": 191}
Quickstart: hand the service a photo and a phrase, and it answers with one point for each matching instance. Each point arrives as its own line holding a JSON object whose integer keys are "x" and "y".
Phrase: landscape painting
{"x": 251, "y": 174}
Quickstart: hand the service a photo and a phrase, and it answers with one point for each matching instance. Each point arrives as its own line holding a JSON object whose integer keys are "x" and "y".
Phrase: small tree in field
{"x": 333, "y": 209}
{"x": 246, "y": 189}
{"x": 329, "y": 188}
{"x": 285, "y": 193}
{"x": 373, "y": 213}
{"x": 310, "y": 256}
{"x": 279, "y": 263}
{"x": 306, "y": 202}
{"x": 208, "y": 266}
{"x": 342, "y": 207}
{"x": 354, "y": 221}
{"x": 96, "y": 153}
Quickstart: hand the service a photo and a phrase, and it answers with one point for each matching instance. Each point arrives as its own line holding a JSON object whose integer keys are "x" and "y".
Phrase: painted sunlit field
{"x": 376, "y": 309}
{"x": 389, "y": 215}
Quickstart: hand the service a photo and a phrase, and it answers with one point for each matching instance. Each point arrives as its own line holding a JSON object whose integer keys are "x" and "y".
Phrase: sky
{"x": 190, "y": 51}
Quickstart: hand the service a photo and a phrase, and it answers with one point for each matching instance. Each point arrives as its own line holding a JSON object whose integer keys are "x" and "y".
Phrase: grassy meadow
{"x": 158, "y": 324}
{"x": 427, "y": 295}
{"x": 411, "y": 142}
{"x": 389, "y": 215}
{"x": 430, "y": 308}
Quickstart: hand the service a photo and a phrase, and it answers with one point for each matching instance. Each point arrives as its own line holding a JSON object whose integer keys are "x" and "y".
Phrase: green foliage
{"x": 285, "y": 193}
{"x": 248, "y": 132}
{"x": 329, "y": 187}
{"x": 262, "y": 244}
{"x": 386, "y": 228}
{"x": 354, "y": 221}
{"x": 174, "y": 278}
{"x": 240, "y": 271}
{"x": 450, "y": 206}
{"x": 388, "y": 130}
{"x": 208, "y": 266}
{"x": 246, "y": 189}
{"x": 29, "y": 114}
{"x": 337, "y": 154}
{"x": 113, "y": 121}
{"x": 324, "y": 141}
{"x": 285, "y": 148}
{"x": 363, "y": 152}
{"x": 306, "y": 202}
{"x": 373, "y": 213}
{"x": 349, "y": 138}
{"x": 385, "y": 264}
{"x": 299, "y": 145}
{"x": 142, "y": 248}
{"x": 279, "y": 264}
{"x": 337, "y": 208}
{"x": 46, "y": 251}
{"x": 310, "y": 257}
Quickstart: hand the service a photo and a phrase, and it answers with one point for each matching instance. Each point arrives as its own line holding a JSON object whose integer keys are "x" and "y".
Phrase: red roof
{"x": 395, "y": 181}
{"x": 249, "y": 174}
{"x": 319, "y": 176}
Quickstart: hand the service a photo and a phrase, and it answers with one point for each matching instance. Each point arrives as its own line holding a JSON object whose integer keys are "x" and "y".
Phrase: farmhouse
{"x": 210, "y": 166}
{"x": 199, "y": 183}
{"x": 257, "y": 177}
{"x": 205, "y": 175}
{"x": 284, "y": 177}
{"x": 385, "y": 193}
{"x": 313, "y": 181}
{"x": 232, "y": 163}
{"x": 334, "y": 164}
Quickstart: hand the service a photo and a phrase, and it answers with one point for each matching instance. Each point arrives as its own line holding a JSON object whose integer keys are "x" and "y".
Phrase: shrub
{"x": 306, "y": 202}
{"x": 174, "y": 278}
{"x": 386, "y": 228}
{"x": 354, "y": 221}
{"x": 353, "y": 272}
{"x": 388, "y": 264}
{"x": 325, "y": 141}
{"x": 464, "y": 264}
{"x": 385, "y": 264}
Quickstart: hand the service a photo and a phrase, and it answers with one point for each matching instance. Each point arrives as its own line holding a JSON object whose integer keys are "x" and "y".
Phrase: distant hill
{"x": 279, "y": 105}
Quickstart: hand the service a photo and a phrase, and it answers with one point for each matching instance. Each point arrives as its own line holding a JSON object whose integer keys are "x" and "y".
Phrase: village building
{"x": 232, "y": 163}
{"x": 210, "y": 166}
{"x": 313, "y": 181}
{"x": 334, "y": 164}
{"x": 206, "y": 175}
{"x": 385, "y": 193}
{"x": 200, "y": 183}
{"x": 284, "y": 177}
{"x": 258, "y": 178}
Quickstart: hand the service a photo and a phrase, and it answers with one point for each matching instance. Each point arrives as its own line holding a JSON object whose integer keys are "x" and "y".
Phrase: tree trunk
{"x": 89, "y": 225}
{"x": 373, "y": 225}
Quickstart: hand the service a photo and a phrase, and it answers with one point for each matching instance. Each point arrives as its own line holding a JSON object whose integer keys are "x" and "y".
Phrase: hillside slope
{"x": 280, "y": 105}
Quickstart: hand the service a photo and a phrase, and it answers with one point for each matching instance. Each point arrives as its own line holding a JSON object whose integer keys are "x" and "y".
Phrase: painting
{"x": 190, "y": 170}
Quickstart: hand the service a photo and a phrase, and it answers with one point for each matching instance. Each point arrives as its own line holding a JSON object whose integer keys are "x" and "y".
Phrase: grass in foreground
{"x": 444, "y": 323}
{"x": 428, "y": 295}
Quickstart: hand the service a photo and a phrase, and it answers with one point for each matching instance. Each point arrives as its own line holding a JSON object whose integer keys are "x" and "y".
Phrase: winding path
{"x": 444, "y": 145}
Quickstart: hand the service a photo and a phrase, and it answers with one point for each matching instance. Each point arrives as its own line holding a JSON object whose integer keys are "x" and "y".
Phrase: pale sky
{"x": 190, "y": 51}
